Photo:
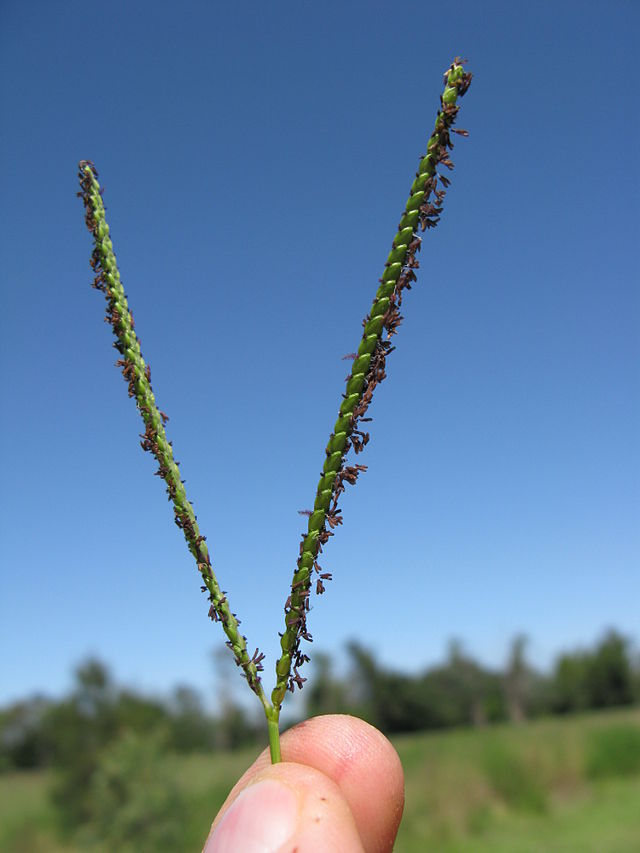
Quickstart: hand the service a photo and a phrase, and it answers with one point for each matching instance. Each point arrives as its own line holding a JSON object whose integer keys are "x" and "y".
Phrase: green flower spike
{"x": 422, "y": 211}
{"x": 154, "y": 438}
{"x": 368, "y": 370}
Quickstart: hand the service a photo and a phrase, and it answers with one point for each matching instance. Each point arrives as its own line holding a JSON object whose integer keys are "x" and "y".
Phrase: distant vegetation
{"x": 462, "y": 692}
{"x": 559, "y": 785}
{"x": 112, "y": 757}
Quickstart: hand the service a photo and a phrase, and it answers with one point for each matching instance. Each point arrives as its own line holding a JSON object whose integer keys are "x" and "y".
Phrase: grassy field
{"x": 553, "y": 785}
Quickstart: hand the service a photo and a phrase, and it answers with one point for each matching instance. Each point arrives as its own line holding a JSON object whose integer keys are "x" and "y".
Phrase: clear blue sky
{"x": 256, "y": 159}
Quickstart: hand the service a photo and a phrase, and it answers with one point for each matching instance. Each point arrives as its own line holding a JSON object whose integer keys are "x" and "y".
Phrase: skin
{"x": 340, "y": 786}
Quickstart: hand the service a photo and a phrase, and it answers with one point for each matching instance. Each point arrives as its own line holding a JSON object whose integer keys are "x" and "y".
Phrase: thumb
{"x": 286, "y": 807}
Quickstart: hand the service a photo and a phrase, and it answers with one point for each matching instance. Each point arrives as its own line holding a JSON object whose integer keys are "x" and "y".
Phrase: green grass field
{"x": 553, "y": 785}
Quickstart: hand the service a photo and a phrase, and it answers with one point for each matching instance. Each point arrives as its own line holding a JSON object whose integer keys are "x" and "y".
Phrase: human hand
{"x": 339, "y": 789}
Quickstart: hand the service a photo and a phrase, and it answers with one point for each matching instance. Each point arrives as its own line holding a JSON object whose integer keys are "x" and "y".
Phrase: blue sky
{"x": 256, "y": 159}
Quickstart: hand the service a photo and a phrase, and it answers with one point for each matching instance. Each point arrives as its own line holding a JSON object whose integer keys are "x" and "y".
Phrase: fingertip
{"x": 358, "y": 759}
{"x": 285, "y": 807}
{"x": 363, "y": 763}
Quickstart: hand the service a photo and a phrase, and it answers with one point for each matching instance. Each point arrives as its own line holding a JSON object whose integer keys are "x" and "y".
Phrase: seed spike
{"x": 137, "y": 375}
{"x": 369, "y": 369}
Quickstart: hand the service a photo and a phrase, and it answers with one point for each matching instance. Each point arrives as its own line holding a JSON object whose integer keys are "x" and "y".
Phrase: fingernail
{"x": 262, "y": 818}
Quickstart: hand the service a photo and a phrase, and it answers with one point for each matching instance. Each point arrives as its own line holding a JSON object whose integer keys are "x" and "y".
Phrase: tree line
{"x": 41, "y": 732}
{"x": 463, "y": 692}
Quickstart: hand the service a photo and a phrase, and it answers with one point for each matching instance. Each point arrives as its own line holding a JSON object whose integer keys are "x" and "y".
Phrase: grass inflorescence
{"x": 422, "y": 211}
{"x": 154, "y": 439}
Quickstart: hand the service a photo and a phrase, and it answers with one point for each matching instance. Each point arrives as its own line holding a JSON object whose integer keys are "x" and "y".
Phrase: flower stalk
{"x": 422, "y": 211}
{"x": 368, "y": 370}
{"x": 154, "y": 439}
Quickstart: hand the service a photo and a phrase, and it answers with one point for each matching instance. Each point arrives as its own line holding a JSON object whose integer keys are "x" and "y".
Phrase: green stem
{"x": 273, "y": 727}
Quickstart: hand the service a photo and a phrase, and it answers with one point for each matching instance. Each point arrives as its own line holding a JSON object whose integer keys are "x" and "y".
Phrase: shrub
{"x": 134, "y": 804}
{"x": 613, "y": 751}
{"x": 515, "y": 782}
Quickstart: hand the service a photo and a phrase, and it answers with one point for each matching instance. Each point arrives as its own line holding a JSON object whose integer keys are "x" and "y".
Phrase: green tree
{"x": 602, "y": 678}
{"x": 460, "y": 692}
{"x": 569, "y": 683}
{"x": 190, "y": 728}
{"x": 24, "y": 743}
{"x": 609, "y": 673}
{"x": 133, "y": 803}
{"x": 139, "y": 713}
{"x": 79, "y": 727}
{"x": 527, "y": 692}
